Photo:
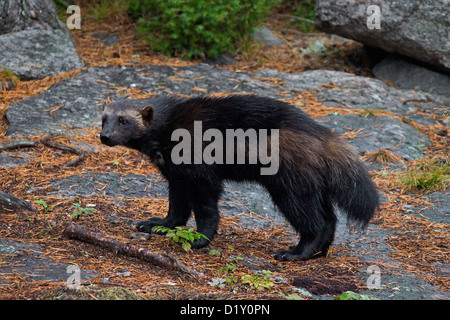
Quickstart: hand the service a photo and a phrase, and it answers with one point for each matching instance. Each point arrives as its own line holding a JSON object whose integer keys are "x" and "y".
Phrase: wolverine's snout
{"x": 105, "y": 139}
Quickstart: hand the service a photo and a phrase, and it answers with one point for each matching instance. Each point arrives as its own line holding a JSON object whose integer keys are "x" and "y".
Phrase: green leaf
{"x": 214, "y": 252}
{"x": 41, "y": 202}
{"x": 197, "y": 28}
{"x": 292, "y": 296}
{"x": 186, "y": 246}
{"x": 349, "y": 295}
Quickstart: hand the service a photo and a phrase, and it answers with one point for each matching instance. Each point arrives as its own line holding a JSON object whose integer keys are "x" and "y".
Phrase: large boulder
{"x": 36, "y": 54}
{"x": 408, "y": 75}
{"x": 34, "y": 43}
{"x": 340, "y": 89}
{"x": 16, "y": 15}
{"x": 418, "y": 29}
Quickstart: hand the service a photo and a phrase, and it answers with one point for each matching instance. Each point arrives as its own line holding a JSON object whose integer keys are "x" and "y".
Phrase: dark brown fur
{"x": 317, "y": 170}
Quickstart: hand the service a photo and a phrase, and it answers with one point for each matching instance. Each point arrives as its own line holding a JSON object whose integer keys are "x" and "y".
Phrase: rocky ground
{"x": 395, "y": 130}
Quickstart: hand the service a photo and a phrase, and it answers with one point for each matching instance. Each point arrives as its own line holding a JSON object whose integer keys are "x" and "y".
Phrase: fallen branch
{"x": 20, "y": 143}
{"x": 75, "y": 161}
{"x": 11, "y": 203}
{"x": 77, "y": 232}
{"x": 294, "y": 17}
{"x": 81, "y": 155}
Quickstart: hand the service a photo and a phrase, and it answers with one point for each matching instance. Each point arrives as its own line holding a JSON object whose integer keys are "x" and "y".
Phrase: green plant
{"x": 79, "y": 210}
{"x": 109, "y": 10}
{"x": 259, "y": 280}
{"x": 427, "y": 176}
{"x": 180, "y": 235}
{"x": 197, "y": 28}
{"x": 214, "y": 252}
{"x": 228, "y": 271}
{"x": 306, "y": 10}
{"x": 45, "y": 207}
{"x": 349, "y": 295}
{"x": 6, "y": 74}
{"x": 292, "y": 296}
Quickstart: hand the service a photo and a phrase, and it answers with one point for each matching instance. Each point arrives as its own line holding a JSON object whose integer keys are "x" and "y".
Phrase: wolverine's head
{"x": 124, "y": 122}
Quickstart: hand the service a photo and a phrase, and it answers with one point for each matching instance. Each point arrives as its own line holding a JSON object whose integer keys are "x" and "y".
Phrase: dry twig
{"x": 294, "y": 18}
{"x": 81, "y": 155}
{"x": 19, "y": 143}
{"x": 77, "y": 232}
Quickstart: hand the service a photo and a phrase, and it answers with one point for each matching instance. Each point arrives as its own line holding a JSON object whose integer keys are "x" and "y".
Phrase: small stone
{"x": 140, "y": 236}
{"x": 264, "y": 35}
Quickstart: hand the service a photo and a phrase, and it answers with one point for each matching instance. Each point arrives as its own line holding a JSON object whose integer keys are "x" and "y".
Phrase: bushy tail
{"x": 355, "y": 193}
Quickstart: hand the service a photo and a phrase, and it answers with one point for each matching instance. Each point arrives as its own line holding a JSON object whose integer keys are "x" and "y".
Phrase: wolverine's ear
{"x": 103, "y": 105}
{"x": 147, "y": 114}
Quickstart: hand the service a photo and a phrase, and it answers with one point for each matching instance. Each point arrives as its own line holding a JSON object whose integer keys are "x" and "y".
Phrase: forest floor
{"x": 235, "y": 265}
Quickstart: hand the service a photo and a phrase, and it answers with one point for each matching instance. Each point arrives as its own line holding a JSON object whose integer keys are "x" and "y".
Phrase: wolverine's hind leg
{"x": 310, "y": 246}
{"x": 313, "y": 217}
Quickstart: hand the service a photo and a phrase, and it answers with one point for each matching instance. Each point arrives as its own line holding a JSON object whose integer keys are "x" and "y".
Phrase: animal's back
{"x": 315, "y": 167}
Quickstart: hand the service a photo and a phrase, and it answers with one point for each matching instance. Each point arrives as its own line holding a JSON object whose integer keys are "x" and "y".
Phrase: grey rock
{"x": 14, "y": 159}
{"x": 212, "y": 79}
{"x": 416, "y": 28}
{"x": 36, "y": 54}
{"x": 34, "y": 43}
{"x": 28, "y": 259}
{"x": 408, "y": 75}
{"x": 81, "y": 96}
{"x": 109, "y": 184}
{"x": 106, "y": 38}
{"x": 405, "y": 286}
{"x": 140, "y": 236}
{"x": 27, "y": 15}
{"x": 440, "y": 211}
{"x": 361, "y": 93}
{"x": 222, "y": 60}
{"x": 264, "y": 35}
{"x": 380, "y": 132}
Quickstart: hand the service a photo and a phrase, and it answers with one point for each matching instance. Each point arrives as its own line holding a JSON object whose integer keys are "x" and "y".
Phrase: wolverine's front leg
{"x": 180, "y": 208}
{"x": 205, "y": 205}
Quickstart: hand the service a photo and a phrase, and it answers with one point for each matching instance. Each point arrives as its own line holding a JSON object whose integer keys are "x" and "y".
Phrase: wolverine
{"x": 317, "y": 171}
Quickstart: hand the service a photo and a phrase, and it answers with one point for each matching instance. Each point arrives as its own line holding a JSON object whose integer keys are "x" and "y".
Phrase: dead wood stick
{"x": 10, "y": 203}
{"x": 19, "y": 143}
{"x": 75, "y": 161}
{"x": 294, "y": 17}
{"x": 78, "y": 232}
{"x": 46, "y": 141}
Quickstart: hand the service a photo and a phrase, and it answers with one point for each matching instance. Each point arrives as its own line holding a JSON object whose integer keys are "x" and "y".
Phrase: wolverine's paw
{"x": 285, "y": 255}
{"x": 147, "y": 225}
{"x": 201, "y": 243}
{"x": 292, "y": 254}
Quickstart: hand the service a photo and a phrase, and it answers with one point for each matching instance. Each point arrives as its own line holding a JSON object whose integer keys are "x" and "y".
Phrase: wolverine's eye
{"x": 123, "y": 121}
